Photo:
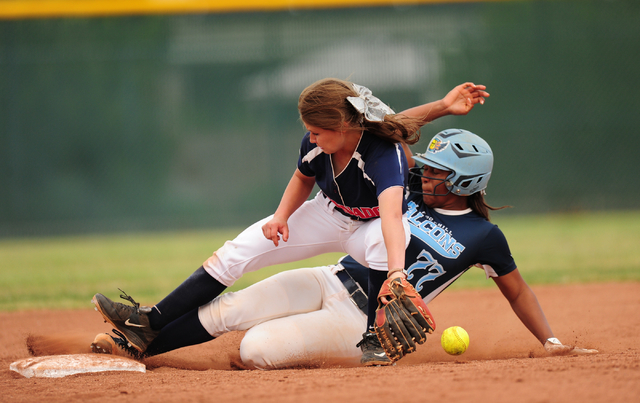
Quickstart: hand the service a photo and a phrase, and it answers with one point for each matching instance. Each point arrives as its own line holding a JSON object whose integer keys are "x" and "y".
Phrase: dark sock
{"x": 182, "y": 332}
{"x": 195, "y": 291}
{"x": 376, "y": 279}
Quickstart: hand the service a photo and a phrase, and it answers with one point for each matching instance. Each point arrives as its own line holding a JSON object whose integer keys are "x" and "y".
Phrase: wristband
{"x": 391, "y": 271}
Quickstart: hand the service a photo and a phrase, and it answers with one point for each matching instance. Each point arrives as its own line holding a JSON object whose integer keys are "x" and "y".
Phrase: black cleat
{"x": 372, "y": 351}
{"x": 131, "y": 321}
{"x": 104, "y": 343}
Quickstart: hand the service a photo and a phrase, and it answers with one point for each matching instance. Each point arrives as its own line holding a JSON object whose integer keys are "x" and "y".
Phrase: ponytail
{"x": 480, "y": 206}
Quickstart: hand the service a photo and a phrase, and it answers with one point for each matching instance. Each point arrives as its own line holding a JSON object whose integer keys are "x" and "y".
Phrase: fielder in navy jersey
{"x": 352, "y": 152}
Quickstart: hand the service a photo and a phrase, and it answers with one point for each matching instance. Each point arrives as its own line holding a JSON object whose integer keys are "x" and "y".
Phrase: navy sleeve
{"x": 304, "y": 164}
{"x": 388, "y": 168}
{"x": 495, "y": 252}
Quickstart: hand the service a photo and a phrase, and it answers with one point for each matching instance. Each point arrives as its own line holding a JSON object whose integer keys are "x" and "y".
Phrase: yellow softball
{"x": 455, "y": 340}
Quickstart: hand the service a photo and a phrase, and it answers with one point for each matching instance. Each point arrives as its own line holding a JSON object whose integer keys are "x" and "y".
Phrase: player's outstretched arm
{"x": 525, "y": 305}
{"x": 459, "y": 101}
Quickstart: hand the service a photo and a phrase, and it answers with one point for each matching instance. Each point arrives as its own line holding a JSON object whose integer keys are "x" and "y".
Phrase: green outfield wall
{"x": 186, "y": 120}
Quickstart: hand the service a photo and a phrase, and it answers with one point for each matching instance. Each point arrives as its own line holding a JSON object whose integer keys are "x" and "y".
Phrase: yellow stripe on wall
{"x": 19, "y": 9}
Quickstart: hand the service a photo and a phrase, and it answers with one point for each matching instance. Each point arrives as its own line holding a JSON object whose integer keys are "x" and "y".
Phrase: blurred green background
{"x": 65, "y": 271}
{"x": 176, "y": 122}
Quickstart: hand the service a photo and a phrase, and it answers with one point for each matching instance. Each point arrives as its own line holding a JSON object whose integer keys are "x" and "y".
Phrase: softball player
{"x": 311, "y": 316}
{"x": 361, "y": 170}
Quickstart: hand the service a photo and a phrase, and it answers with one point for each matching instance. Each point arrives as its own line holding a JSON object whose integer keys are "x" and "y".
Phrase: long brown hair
{"x": 480, "y": 206}
{"x": 324, "y": 104}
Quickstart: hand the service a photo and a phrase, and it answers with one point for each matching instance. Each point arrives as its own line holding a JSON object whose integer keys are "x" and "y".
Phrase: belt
{"x": 356, "y": 294}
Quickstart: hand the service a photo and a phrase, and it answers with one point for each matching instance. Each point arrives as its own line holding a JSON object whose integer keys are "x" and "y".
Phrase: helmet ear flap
{"x": 467, "y": 185}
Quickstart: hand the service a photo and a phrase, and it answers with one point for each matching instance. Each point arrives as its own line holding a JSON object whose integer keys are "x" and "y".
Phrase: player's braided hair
{"x": 324, "y": 104}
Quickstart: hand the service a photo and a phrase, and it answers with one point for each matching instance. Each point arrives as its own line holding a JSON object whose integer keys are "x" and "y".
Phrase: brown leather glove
{"x": 404, "y": 321}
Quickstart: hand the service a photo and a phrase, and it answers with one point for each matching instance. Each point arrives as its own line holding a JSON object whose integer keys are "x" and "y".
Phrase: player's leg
{"x": 283, "y": 294}
{"x": 196, "y": 290}
{"x": 366, "y": 244}
{"x": 184, "y": 331}
{"x": 313, "y": 229}
{"x": 141, "y": 325}
{"x": 325, "y": 336}
{"x": 286, "y": 293}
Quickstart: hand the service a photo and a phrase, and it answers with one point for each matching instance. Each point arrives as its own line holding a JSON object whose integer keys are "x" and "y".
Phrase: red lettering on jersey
{"x": 371, "y": 212}
{"x": 360, "y": 212}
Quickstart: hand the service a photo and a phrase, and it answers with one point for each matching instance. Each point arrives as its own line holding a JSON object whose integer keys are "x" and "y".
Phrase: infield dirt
{"x": 504, "y": 363}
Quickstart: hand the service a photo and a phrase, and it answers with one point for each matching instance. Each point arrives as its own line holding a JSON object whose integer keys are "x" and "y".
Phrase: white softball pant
{"x": 297, "y": 317}
{"x": 315, "y": 228}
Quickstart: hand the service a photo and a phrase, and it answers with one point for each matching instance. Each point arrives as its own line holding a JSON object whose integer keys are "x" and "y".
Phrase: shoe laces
{"x": 136, "y": 305}
{"x": 122, "y": 342}
{"x": 369, "y": 340}
{"x": 126, "y": 297}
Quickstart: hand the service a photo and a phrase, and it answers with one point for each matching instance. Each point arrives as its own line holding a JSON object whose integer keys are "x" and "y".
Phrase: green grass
{"x": 64, "y": 272}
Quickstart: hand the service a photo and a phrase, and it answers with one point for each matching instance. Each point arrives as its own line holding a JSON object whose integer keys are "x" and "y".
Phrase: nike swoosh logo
{"x": 380, "y": 354}
{"x": 133, "y": 324}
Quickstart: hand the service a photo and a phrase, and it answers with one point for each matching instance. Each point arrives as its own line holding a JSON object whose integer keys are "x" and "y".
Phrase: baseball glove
{"x": 404, "y": 321}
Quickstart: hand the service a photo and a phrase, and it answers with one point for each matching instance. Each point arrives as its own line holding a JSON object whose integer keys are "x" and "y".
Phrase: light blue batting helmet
{"x": 466, "y": 155}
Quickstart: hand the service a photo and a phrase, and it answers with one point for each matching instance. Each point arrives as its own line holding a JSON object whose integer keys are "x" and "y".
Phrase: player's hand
{"x": 555, "y": 347}
{"x": 396, "y": 274}
{"x": 273, "y": 228}
{"x": 461, "y": 99}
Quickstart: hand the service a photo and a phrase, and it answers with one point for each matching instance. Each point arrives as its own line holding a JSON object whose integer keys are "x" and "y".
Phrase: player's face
{"x": 330, "y": 141}
{"x": 433, "y": 185}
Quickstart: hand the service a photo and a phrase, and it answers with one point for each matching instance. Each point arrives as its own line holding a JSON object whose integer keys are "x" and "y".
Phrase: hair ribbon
{"x": 373, "y": 109}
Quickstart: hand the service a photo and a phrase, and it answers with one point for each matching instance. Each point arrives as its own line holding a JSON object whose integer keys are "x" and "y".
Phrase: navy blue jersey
{"x": 444, "y": 245}
{"x": 376, "y": 165}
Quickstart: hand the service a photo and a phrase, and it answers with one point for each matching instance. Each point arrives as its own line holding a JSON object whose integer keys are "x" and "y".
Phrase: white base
{"x": 58, "y": 366}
